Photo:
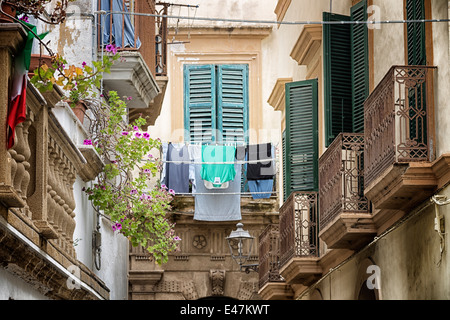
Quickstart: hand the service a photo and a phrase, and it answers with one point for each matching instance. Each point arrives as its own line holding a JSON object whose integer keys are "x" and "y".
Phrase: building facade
{"x": 365, "y": 188}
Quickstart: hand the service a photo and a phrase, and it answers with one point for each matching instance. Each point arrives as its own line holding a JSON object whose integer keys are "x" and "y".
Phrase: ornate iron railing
{"x": 299, "y": 227}
{"x": 341, "y": 178}
{"x": 269, "y": 255}
{"x": 399, "y": 125}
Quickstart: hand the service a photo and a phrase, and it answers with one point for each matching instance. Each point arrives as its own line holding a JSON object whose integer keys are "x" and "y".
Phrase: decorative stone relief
{"x": 199, "y": 241}
{"x": 217, "y": 282}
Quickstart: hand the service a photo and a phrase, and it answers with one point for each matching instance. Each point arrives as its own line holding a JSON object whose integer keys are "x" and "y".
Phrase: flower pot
{"x": 79, "y": 110}
{"x": 34, "y": 62}
{"x": 10, "y": 9}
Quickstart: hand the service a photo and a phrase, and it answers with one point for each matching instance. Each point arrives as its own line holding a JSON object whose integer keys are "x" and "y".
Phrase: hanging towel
{"x": 218, "y": 174}
{"x": 211, "y": 205}
{"x": 260, "y": 170}
{"x": 121, "y": 25}
{"x": 177, "y": 174}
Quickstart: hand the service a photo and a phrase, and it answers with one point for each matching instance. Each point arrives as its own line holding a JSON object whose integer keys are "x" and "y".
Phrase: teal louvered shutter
{"x": 200, "y": 103}
{"x": 416, "y": 47}
{"x": 232, "y": 100}
{"x": 337, "y": 76}
{"x": 360, "y": 61}
{"x": 301, "y": 153}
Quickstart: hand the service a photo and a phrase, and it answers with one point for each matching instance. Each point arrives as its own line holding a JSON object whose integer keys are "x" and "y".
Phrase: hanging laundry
{"x": 264, "y": 169}
{"x": 195, "y": 155}
{"x": 177, "y": 172}
{"x": 260, "y": 189}
{"x": 218, "y": 204}
{"x": 260, "y": 175}
{"x": 219, "y": 173}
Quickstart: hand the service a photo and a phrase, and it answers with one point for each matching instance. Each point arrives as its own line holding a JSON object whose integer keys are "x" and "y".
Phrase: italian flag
{"x": 17, "y": 107}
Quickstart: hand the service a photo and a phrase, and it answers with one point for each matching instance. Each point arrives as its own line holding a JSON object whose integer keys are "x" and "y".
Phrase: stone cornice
{"x": 277, "y": 97}
{"x": 307, "y": 45}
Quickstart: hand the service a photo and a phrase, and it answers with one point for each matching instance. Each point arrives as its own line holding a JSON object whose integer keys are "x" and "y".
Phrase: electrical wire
{"x": 181, "y": 17}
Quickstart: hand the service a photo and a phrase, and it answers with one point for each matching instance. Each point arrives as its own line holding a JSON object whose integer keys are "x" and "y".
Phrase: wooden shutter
{"x": 232, "y": 100}
{"x": 301, "y": 156}
{"x": 415, "y": 10}
{"x": 283, "y": 142}
{"x": 337, "y": 76}
{"x": 360, "y": 62}
{"x": 200, "y": 103}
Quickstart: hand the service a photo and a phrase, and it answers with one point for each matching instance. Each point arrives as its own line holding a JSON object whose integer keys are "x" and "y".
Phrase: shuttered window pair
{"x": 346, "y": 72}
{"x": 346, "y": 87}
{"x": 216, "y": 103}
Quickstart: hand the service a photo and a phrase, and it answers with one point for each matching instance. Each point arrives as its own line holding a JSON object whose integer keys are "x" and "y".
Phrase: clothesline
{"x": 224, "y": 193}
{"x": 224, "y": 162}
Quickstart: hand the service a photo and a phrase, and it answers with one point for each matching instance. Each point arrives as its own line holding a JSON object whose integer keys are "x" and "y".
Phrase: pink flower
{"x": 138, "y": 134}
{"x": 129, "y": 98}
{"x": 117, "y": 226}
{"x": 136, "y": 128}
{"x": 125, "y": 133}
{"x": 146, "y": 135}
{"x": 83, "y": 64}
{"x": 111, "y": 48}
{"x": 163, "y": 186}
{"x": 171, "y": 191}
{"x": 177, "y": 238}
{"x": 87, "y": 142}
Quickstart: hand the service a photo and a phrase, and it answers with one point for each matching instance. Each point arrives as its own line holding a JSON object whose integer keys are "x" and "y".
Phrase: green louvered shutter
{"x": 416, "y": 48}
{"x": 283, "y": 145}
{"x": 337, "y": 76}
{"x": 301, "y": 152}
{"x": 360, "y": 62}
{"x": 415, "y": 10}
{"x": 232, "y": 100}
{"x": 200, "y": 103}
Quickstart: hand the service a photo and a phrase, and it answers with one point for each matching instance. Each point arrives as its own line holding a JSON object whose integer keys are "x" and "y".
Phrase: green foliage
{"x": 122, "y": 191}
{"x": 80, "y": 83}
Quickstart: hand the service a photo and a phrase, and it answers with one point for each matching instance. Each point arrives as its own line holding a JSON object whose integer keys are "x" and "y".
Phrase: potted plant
{"x": 8, "y": 11}
{"x": 80, "y": 83}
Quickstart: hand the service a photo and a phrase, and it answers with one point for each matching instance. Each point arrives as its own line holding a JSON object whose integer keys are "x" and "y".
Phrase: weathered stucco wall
{"x": 409, "y": 260}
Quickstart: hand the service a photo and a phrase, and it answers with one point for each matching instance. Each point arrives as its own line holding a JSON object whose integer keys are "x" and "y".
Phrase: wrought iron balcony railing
{"x": 269, "y": 255}
{"x": 341, "y": 178}
{"x": 299, "y": 227}
{"x": 399, "y": 120}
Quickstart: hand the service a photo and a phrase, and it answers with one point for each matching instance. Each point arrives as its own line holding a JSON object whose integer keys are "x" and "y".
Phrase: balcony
{"x": 142, "y": 43}
{"x": 299, "y": 241}
{"x": 37, "y": 179}
{"x": 400, "y": 170}
{"x": 345, "y": 218}
{"x": 271, "y": 283}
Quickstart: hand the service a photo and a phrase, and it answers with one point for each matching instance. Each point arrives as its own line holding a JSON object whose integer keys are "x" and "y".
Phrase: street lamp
{"x": 237, "y": 241}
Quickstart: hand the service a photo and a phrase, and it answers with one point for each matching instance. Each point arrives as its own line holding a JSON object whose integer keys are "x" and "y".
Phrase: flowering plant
{"x": 79, "y": 83}
{"x": 122, "y": 191}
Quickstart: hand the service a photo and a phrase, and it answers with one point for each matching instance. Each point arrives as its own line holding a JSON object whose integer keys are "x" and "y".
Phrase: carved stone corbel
{"x": 217, "y": 282}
